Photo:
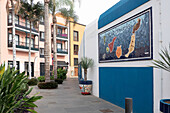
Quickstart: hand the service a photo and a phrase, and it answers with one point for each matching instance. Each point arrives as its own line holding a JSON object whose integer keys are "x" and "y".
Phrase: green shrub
{"x": 61, "y": 73}
{"x": 13, "y": 91}
{"x": 51, "y": 77}
{"x": 32, "y": 82}
{"x": 48, "y": 85}
{"x": 59, "y": 81}
{"x": 41, "y": 79}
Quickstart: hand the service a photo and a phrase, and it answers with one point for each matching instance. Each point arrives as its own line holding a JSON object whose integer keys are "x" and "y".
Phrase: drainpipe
{"x": 84, "y": 44}
{"x": 160, "y": 42}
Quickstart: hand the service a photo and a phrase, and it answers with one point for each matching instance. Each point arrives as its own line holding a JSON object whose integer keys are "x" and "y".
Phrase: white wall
{"x": 161, "y": 30}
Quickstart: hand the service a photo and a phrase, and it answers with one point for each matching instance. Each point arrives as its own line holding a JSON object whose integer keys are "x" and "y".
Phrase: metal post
{"x": 128, "y": 105}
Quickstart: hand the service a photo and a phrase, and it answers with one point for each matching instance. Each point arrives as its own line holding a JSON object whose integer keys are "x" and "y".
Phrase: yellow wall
{"x": 75, "y": 27}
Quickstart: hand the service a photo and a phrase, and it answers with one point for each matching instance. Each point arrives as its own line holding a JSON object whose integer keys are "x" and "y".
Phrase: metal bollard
{"x": 128, "y": 105}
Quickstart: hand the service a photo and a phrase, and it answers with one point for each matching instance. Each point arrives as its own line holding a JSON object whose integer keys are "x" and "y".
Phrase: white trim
{"x": 25, "y": 30}
{"x": 62, "y": 38}
{"x": 23, "y": 50}
{"x": 62, "y": 54}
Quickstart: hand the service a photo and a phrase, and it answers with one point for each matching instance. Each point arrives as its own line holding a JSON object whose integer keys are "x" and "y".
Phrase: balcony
{"x": 62, "y": 51}
{"x": 62, "y": 36}
{"x": 23, "y": 46}
{"x": 22, "y": 26}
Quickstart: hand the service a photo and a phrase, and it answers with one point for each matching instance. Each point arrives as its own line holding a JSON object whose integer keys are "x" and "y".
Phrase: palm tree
{"x": 32, "y": 12}
{"x": 56, "y": 6}
{"x": 15, "y": 9}
{"x": 165, "y": 62}
{"x": 47, "y": 43}
{"x": 69, "y": 14}
{"x": 85, "y": 64}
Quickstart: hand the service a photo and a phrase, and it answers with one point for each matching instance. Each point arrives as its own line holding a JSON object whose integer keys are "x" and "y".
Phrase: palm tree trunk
{"x": 85, "y": 74}
{"x": 13, "y": 35}
{"x": 54, "y": 50}
{"x": 47, "y": 44}
{"x": 29, "y": 57}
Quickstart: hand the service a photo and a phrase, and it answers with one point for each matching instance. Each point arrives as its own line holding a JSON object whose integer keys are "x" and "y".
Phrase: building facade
{"x": 22, "y": 33}
{"x": 123, "y": 42}
{"x": 76, "y": 35}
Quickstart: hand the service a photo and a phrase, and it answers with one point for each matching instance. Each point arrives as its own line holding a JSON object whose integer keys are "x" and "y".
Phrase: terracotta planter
{"x": 85, "y": 87}
{"x": 165, "y": 105}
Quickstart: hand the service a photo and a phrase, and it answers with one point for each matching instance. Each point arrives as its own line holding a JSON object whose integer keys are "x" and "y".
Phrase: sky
{"x": 89, "y": 10}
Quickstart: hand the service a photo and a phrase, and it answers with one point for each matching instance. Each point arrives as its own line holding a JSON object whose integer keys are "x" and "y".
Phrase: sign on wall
{"x": 128, "y": 40}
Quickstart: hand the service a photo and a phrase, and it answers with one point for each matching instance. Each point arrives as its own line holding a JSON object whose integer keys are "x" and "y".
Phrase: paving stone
{"x": 68, "y": 99}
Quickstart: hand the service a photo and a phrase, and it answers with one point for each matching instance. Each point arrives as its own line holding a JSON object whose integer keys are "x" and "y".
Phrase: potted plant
{"x": 165, "y": 65}
{"x": 86, "y": 85}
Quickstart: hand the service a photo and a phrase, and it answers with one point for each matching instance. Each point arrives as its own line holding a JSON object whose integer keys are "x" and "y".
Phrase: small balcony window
{"x": 76, "y": 38}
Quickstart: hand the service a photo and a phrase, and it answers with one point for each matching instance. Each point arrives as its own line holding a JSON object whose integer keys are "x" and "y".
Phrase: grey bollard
{"x": 128, "y": 105}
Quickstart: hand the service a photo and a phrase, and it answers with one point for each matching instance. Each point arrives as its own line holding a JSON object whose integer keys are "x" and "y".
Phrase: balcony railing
{"x": 23, "y": 45}
{"x": 64, "y": 51}
{"x": 22, "y": 24}
{"x": 65, "y": 36}
{"x": 62, "y": 35}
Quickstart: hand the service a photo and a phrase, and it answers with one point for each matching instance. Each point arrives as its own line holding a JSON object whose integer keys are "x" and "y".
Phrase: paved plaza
{"x": 68, "y": 99}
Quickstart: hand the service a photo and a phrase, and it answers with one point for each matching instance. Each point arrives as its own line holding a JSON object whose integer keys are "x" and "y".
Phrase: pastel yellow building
{"x": 76, "y": 32}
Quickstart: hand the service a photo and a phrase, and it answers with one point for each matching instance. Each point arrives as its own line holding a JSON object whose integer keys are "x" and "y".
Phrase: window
{"x": 16, "y": 19}
{"x": 76, "y": 38}
{"x": 27, "y": 24}
{"x": 27, "y": 68}
{"x": 17, "y": 39}
{"x": 41, "y": 52}
{"x": 41, "y": 36}
{"x": 10, "y": 18}
{"x": 76, "y": 49}
{"x": 10, "y": 39}
{"x": 59, "y": 31}
{"x": 59, "y": 46}
{"x": 27, "y": 42}
{"x": 32, "y": 42}
{"x": 41, "y": 20}
{"x": 75, "y": 61}
{"x": 10, "y": 64}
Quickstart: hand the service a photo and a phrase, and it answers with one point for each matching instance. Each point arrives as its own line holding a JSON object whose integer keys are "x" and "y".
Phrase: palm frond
{"x": 33, "y": 12}
{"x": 164, "y": 63}
{"x": 86, "y": 62}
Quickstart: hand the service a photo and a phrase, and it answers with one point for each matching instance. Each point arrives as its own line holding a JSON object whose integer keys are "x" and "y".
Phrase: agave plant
{"x": 164, "y": 63}
{"x": 85, "y": 64}
{"x": 12, "y": 96}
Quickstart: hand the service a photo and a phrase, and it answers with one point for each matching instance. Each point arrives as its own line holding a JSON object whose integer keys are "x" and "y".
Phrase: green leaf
{"x": 32, "y": 111}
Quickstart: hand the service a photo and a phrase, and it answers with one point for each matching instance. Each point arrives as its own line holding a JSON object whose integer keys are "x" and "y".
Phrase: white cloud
{"x": 92, "y": 9}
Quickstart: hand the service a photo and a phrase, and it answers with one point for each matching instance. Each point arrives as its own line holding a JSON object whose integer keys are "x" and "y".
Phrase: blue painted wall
{"x": 118, "y": 10}
{"x": 116, "y": 83}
